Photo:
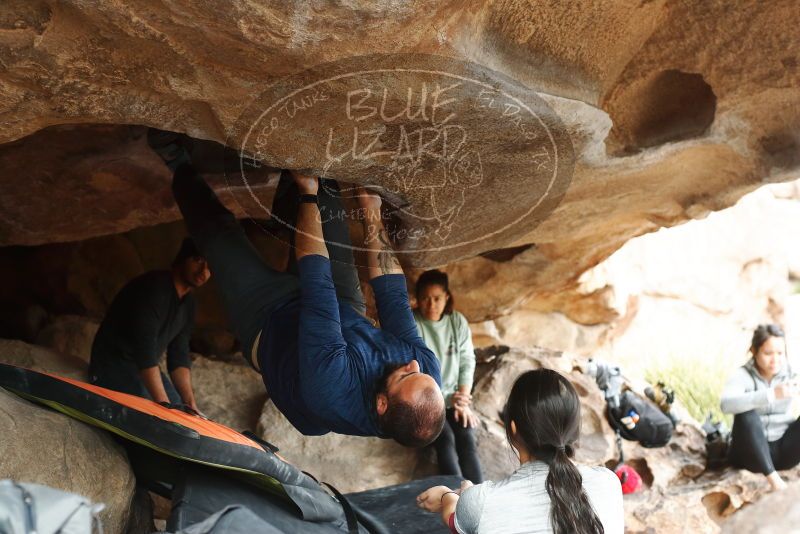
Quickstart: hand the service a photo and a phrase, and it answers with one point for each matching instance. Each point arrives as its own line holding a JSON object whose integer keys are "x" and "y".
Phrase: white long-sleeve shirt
{"x": 520, "y": 504}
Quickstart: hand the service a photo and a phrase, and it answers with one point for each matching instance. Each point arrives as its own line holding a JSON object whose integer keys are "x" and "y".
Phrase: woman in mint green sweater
{"x": 447, "y": 334}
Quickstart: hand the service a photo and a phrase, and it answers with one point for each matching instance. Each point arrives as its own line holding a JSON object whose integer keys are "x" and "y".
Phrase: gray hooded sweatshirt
{"x": 747, "y": 390}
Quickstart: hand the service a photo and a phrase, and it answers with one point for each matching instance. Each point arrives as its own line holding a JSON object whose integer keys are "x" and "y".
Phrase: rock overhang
{"x": 645, "y": 156}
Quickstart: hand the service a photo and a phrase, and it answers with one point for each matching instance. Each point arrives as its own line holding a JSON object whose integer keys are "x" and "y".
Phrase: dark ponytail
{"x": 547, "y": 414}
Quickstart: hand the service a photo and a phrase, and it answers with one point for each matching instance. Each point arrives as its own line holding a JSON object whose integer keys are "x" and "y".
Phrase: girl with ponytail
{"x": 548, "y": 493}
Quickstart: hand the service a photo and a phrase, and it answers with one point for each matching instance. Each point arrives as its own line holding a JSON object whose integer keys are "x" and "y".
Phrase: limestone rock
{"x": 660, "y": 132}
{"x": 349, "y": 463}
{"x": 373, "y": 462}
{"x": 710, "y": 280}
{"x": 705, "y": 504}
{"x": 555, "y": 331}
{"x": 45, "y": 447}
{"x": 69, "y": 334}
{"x": 681, "y": 461}
{"x": 491, "y": 392}
{"x": 678, "y": 494}
{"x": 230, "y": 393}
{"x": 777, "y": 513}
{"x": 21, "y": 354}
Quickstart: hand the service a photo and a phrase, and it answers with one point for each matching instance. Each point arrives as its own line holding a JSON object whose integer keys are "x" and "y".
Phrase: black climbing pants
{"x": 457, "y": 451}
{"x": 250, "y": 289}
{"x": 750, "y": 449}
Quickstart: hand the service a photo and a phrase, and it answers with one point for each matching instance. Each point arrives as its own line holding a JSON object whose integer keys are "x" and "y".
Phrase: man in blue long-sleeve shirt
{"x": 324, "y": 364}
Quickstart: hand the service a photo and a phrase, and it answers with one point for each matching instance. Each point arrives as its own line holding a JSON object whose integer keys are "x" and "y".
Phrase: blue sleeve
{"x": 323, "y": 361}
{"x": 394, "y": 310}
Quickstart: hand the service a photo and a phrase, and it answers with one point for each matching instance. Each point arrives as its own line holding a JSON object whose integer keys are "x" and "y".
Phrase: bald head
{"x": 411, "y": 407}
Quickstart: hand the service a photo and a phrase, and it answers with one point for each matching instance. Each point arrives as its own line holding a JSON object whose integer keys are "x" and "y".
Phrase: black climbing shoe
{"x": 285, "y": 204}
{"x": 172, "y": 147}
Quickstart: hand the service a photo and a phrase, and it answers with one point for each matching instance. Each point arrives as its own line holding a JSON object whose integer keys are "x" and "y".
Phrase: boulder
{"x": 22, "y": 354}
{"x": 46, "y": 447}
{"x": 777, "y": 513}
{"x": 365, "y": 463}
{"x": 349, "y": 463}
{"x": 657, "y": 133}
{"x": 706, "y": 504}
{"x": 69, "y": 334}
{"x": 491, "y": 392}
{"x": 231, "y": 393}
{"x": 498, "y": 459}
{"x": 555, "y": 331}
{"x": 678, "y": 494}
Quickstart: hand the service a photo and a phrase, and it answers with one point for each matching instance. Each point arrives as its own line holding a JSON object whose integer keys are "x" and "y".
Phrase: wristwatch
{"x": 308, "y": 199}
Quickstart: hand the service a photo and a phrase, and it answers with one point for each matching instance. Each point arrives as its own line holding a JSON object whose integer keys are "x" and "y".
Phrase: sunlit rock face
{"x": 573, "y": 126}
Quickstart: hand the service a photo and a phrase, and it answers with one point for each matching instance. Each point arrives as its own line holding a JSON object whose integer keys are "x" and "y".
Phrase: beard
{"x": 189, "y": 281}
{"x": 381, "y": 387}
{"x": 189, "y": 277}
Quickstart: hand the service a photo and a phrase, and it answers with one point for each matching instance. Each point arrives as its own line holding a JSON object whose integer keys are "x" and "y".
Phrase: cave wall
{"x": 672, "y": 110}
{"x": 45, "y": 286}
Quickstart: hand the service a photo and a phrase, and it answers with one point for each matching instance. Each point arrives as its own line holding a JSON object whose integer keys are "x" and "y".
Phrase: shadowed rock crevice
{"x": 25, "y": 16}
{"x": 669, "y": 106}
{"x": 504, "y": 255}
{"x": 782, "y": 149}
{"x": 719, "y": 505}
{"x": 641, "y": 467}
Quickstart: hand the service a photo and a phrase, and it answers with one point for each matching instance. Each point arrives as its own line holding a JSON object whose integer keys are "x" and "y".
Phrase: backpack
{"x": 718, "y": 442}
{"x": 32, "y": 508}
{"x": 639, "y": 419}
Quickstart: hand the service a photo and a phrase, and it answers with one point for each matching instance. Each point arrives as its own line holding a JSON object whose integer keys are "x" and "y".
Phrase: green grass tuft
{"x": 697, "y": 384}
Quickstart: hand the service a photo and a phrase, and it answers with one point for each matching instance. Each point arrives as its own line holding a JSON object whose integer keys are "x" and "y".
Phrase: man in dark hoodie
{"x": 153, "y": 313}
{"x": 324, "y": 364}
